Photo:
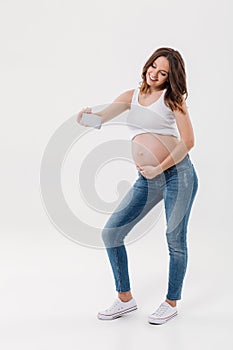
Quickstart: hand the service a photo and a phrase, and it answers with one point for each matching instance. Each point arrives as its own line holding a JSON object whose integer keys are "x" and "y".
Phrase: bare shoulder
{"x": 125, "y": 97}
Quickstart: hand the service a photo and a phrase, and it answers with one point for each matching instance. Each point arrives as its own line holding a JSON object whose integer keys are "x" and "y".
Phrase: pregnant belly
{"x": 152, "y": 149}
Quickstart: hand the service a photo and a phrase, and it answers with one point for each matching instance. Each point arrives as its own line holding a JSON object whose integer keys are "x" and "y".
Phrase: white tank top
{"x": 155, "y": 118}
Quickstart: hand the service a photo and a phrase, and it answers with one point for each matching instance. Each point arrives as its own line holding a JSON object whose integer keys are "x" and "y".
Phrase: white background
{"x": 57, "y": 57}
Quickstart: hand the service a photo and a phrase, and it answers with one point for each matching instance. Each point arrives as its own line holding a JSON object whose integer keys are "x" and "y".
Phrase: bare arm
{"x": 186, "y": 139}
{"x": 118, "y": 106}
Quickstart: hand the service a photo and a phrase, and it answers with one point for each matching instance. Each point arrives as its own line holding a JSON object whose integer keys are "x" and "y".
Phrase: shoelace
{"x": 113, "y": 306}
{"x": 161, "y": 310}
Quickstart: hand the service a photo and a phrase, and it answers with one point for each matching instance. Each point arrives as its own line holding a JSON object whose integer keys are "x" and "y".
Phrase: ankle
{"x": 171, "y": 302}
{"x": 125, "y": 296}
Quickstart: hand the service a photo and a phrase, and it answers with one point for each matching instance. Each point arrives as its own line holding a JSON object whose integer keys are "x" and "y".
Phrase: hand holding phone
{"x": 91, "y": 119}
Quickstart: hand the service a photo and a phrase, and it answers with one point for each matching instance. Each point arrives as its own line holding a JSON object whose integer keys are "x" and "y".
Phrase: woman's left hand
{"x": 149, "y": 171}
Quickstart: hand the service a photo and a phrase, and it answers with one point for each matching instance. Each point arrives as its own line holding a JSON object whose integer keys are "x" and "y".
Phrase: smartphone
{"x": 91, "y": 119}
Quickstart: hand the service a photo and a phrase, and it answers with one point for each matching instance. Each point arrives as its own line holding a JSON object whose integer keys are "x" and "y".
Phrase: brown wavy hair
{"x": 176, "y": 83}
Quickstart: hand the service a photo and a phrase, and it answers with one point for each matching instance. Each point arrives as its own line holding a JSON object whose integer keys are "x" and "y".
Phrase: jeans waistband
{"x": 184, "y": 163}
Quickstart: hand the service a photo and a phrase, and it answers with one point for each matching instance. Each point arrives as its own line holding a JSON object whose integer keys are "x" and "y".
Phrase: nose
{"x": 154, "y": 72}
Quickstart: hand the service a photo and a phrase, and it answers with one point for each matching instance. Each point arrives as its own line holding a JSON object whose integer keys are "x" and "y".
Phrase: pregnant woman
{"x": 162, "y": 135}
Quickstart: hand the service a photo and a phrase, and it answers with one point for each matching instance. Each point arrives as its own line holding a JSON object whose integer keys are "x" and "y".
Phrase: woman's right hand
{"x": 79, "y": 116}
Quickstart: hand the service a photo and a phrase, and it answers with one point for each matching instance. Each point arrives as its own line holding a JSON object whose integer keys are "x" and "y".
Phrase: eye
{"x": 153, "y": 65}
{"x": 163, "y": 74}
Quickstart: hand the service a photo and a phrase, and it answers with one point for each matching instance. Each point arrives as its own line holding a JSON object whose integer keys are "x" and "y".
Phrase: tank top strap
{"x": 135, "y": 97}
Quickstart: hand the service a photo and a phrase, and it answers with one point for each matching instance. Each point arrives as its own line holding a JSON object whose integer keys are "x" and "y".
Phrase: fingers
{"x": 86, "y": 110}
{"x": 79, "y": 116}
{"x": 139, "y": 168}
{"x": 83, "y": 110}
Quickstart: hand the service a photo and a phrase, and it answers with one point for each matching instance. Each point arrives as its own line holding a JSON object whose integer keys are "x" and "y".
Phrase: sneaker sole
{"x": 162, "y": 320}
{"x": 117, "y": 315}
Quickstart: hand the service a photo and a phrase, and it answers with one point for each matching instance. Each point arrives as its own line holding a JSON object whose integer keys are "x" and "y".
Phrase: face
{"x": 157, "y": 73}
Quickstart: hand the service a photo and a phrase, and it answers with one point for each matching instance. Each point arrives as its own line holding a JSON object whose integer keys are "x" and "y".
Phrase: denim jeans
{"x": 177, "y": 186}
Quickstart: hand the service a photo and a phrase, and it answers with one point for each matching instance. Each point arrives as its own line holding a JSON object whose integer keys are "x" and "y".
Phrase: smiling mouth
{"x": 152, "y": 79}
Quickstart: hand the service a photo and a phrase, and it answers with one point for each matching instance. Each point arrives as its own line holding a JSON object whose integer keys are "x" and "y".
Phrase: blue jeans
{"x": 177, "y": 186}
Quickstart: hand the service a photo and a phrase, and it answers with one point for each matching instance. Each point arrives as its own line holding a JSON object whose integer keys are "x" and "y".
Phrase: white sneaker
{"x": 164, "y": 313}
{"x": 117, "y": 309}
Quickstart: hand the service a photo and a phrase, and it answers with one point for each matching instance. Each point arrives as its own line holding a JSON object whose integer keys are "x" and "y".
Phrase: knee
{"x": 106, "y": 237}
{"x": 111, "y": 237}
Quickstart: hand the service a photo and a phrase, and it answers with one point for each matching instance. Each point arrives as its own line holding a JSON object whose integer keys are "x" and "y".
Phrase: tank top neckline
{"x": 151, "y": 103}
